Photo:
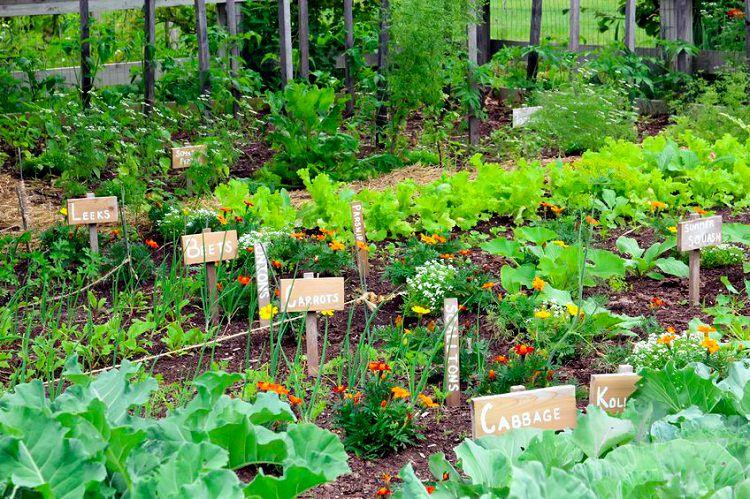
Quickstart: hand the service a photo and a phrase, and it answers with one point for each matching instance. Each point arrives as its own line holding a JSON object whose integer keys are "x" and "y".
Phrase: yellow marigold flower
{"x": 222, "y": 219}
{"x": 657, "y": 205}
{"x": 699, "y": 210}
{"x": 64, "y": 211}
{"x": 542, "y": 314}
{"x": 400, "y": 393}
{"x": 710, "y": 344}
{"x": 672, "y": 229}
{"x": 363, "y": 246}
{"x": 427, "y": 239}
{"x": 419, "y": 310}
{"x": 268, "y": 312}
{"x": 538, "y": 283}
{"x": 327, "y": 313}
{"x": 573, "y": 309}
{"x": 560, "y": 243}
{"x": 557, "y": 209}
{"x": 438, "y": 238}
{"x": 488, "y": 285}
{"x": 336, "y": 245}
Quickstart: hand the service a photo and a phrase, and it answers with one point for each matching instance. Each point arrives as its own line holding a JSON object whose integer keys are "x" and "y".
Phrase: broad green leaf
{"x": 673, "y": 266}
{"x": 736, "y": 233}
{"x": 737, "y": 383}
{"x": 530, "y": 480}
{"x": 679, "y": 389}
{"x": 605, "y": 264}
{"x": 247, "y": 444}
{"x": 512, "y": 278}
{"x": 503, "y": 247}
{"x": 317, "y": 449}
{"x": 536, "y": 235}
{"x": 512, "y": 443}
{"x": 597, "y": 432}
{"x": 629, "y": 246}
{"x": 487, "y": 467}
{"x": 553, "y": 451}
{"x": 40, "y": 457}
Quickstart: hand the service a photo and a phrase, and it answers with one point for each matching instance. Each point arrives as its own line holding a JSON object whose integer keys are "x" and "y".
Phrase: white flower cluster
{"x": 681, "y": 349}
{"x": 262, "y": 236}
{"x": 430, "y": 284}
{"x": 175, "y": 216}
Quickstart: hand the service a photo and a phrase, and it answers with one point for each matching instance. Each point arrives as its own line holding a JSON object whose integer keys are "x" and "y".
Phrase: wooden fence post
{"x": 382, "y": 114}
{"x": 201, "y": 32}
{"x": 630, "y": 25}
{"x": 149, "y": 51}
{"x": 683, "y": 10}
{"x": 304, "y": 41}
{"x": 86, "y": 78}
{"x": 484, "y": 40}
{"x": 234, "y": 54}
{"x": 285, "y": 43}
{"x": 471, "y": 33}
{"x": 221, "y": 20}
{"x": 574, "y": 43}
{"x": 534, "y": 38}
{"x": 349, "y": 29}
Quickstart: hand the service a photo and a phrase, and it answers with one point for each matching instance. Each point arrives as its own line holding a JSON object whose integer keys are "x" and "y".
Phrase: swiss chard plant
{"x": 651, "y": 262}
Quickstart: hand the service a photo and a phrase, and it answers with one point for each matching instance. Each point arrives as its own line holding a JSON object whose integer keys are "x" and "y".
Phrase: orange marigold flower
{"x": 244, "y": 280}
{"x": 222, "y": 219}
{"x": 427, "y": 401}
{"x": 657, "y": 205}
{"x": 115, "y": 232}
{"x": 502, "y": 359}
{"x": 705, "y": 328}
{"x": 671, "y": 330}
{"x": 523, "y": 349}
{"x": 431, "y": 326}
{"x": 427, "y": 239}
{"x": 225, "y": 209}
{"x": 152, "y": 244}
{"x": 383, "y": 403}
{"x": 656, "y": 302}
{"x": 363, "y": 246}
{"x": 378, "y": 366}
{"x": 699, "y": 210}
{"x": 446, "y": 475}
{"x": 538, "y": 283}
{"x": 591, "y": 220}
{"x": 248, "y": 203}
{"x": 277, "y": 293}
{"x": 219, "y": 286}
{"x": 398, "y": 321}
{"x": 294, "y": 400}
{"x": 550, "y": 375}
{"x": 276, "y": 264}
{"x": 710, "y": 344}
{"x": 299, "y": 236}
{"x": 438, "y": 238}
{"x": 339, "y": 389}
{"x": 328, "y": 232}
{"x": 336, "y": 245}
{"x": 557, "y": 209}
{"x": 383, "y": 491}
{"x": 429, "y": 488}
{"x": 464, "y": 252}
{"x": 399, "y": 393}
{"x": 666, "y": 339}
{"x": 239, "y": 219}
{"x": 320, "y": 237}
{"x": 735, "y": 13}
{"x": 488, "y": 285}
{"x": 491, "y": 374}
{"x": 447, "y": 256}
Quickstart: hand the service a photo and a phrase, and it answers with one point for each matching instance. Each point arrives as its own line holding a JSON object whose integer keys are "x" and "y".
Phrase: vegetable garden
{"x": 397, "y": 259}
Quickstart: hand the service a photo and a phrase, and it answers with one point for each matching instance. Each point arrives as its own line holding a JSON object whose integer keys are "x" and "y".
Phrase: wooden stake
{"x": 234, "y": 54}
{"x": 473, "y": 61}
{"x": 452, "y": 378}
{"x": 382, "y": 114}
{"x": 261, "y": 279}
{"x": 87, "y": 81}
{"x": 213, "y": 288}
{"x": 535, "y": 38}
{"x": 349, "y": 29}
{"x": 23, "y": 204}
{"x": 574, "y": 43}
{"x": 630, "y": 25}
{"x": 311, "y": 338}
{"x": 149, "y": 50}
{"x": 93, "y": 234}
{"x": 360, "y": 238}
{"x": 201, "y": 31}
{"x": 517, "y": 388}
{"x": 624, "y": 369}
{"x": 694, "y": 265}
{"x": 285, "y": 42}
{"x": 304, "y": 41}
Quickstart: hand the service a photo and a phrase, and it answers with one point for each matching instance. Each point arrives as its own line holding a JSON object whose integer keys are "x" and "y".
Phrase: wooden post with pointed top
{"x": 311, "y": 338}
{"x": 452, "y": 380}
{"x": 285, "y": 43}
{"x": 262, "y": 281}
{"x": 304, "y": 41}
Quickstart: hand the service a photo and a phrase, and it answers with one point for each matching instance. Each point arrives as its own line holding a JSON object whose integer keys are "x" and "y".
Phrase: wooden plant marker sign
{"x": 312, "y": 295}
{"x": 360, "y": 239}
{"x": 91, "y": 211}
{"x": 184, "y": 157}
{"x": 261, "y": 279}
{"x": 452, "y": 383}
{"x": 208, "y": 248}
{"x": 522, "y": 115}
{"x": 611, "y": 391}
{"x": 692, "y": 235}
{"x": 546, "y": 408}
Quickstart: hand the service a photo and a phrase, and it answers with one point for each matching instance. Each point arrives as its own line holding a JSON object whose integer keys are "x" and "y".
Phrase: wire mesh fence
{"x": 601, "y": 22}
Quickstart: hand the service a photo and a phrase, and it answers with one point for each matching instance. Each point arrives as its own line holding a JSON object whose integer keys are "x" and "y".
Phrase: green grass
{"x": 511, "y": 20}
